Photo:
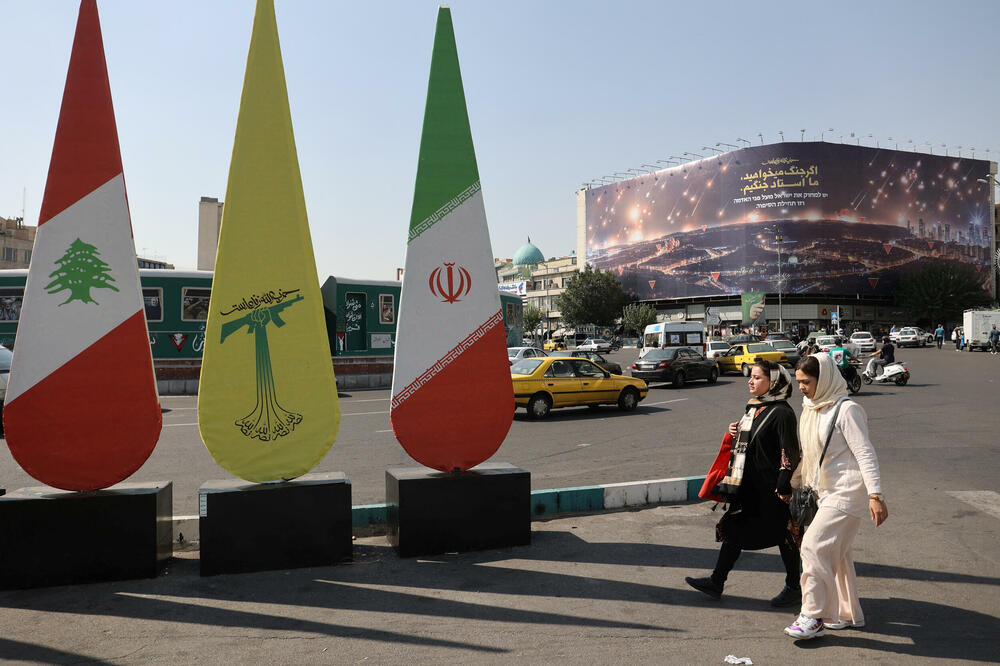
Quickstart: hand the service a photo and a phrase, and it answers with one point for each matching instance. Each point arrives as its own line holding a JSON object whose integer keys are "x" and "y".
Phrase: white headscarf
{"x": 830, "y": 387}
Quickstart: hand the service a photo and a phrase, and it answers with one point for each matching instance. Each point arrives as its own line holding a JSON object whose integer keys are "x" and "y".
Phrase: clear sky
{"x": 559, "y": 93}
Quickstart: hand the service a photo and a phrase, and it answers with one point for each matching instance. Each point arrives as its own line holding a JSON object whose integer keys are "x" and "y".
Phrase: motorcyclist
{"x": 887, "y": 354}
{"x": 842, "y": 356}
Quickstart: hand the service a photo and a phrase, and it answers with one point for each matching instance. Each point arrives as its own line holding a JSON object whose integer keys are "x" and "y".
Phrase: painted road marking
{"x": 987, "y": 501}
{"x": 650, "y": 404}
{"x": 389, "y": 430}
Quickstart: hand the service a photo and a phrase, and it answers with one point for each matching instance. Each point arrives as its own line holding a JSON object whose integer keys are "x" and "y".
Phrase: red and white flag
{"x": 82, "y": 412}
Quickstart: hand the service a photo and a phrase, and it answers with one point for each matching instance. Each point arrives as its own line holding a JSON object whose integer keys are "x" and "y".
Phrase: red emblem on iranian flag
{"x": 450, "y": 333}
{"x": 82, "y": 411}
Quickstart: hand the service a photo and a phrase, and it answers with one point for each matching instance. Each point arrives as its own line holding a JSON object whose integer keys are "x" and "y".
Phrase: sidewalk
{"x": 603, "y": 588}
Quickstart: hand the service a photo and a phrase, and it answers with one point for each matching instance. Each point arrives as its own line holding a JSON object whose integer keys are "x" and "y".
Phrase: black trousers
{"x": 730, "y": 552}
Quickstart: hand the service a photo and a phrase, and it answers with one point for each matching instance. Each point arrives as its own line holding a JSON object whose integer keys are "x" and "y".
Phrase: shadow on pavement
{"x": 17, "y": 650}
{"x": 929, "y": 630}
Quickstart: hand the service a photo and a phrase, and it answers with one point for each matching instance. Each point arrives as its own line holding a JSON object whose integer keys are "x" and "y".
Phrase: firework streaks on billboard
{"x": 845, "y": 219}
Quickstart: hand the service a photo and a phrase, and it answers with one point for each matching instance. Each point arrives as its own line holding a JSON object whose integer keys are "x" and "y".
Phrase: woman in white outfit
{"x": 848, "y": 486}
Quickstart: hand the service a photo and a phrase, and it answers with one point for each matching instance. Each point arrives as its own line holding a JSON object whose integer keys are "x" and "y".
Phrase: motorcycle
{"x": 853, "y": 379}
{"x": 895, "y": 372}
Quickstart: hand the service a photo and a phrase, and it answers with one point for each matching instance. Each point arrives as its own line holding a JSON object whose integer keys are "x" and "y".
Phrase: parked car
{"x": 541, "y": 384}
{"x": 864, "y": 340}
{"x": 610, "y": 366}
{"x": 788, "y": 349}
{"x": 742, "y": 339}
{"x": 912, "y": 337}
{"x": 595, "y": 344}
{"x": 927, "y": 336}
{"x": 740, "y": 358}
{"x": 715, "y": 347}
{"x": 517, "y": 353}
{"x": 776, "y": 335}
{"x": 675, "y": 364}
{"x": 554, "y": 345}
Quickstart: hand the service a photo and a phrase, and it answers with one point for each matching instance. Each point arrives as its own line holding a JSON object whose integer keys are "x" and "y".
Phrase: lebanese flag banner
{"x": 452, "y": 395}
{"x": 82, "y": 411}
{"x": 267, "y": 399}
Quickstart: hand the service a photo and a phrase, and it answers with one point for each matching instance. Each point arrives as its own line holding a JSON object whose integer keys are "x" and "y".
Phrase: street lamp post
{"x": 778, "y": 238}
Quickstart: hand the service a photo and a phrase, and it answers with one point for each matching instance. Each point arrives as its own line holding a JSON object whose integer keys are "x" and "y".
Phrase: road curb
{"x": 370, "y": 519}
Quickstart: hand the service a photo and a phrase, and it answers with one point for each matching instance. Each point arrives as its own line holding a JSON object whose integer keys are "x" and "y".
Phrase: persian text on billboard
{"x": 850, "y": 219}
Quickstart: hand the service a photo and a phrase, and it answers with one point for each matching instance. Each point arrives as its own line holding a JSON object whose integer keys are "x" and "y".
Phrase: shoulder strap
{"x": 829, "y": 436}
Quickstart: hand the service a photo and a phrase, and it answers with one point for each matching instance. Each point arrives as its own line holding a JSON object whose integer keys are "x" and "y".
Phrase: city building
{"x": 209, "y": 223}
{"x": 821, "y": 233}
{"x": 16, "y": 241}
{"x": 539, "y": 282}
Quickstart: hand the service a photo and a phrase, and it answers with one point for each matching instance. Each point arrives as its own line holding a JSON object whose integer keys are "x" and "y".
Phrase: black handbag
{"x": 805, "y": 501}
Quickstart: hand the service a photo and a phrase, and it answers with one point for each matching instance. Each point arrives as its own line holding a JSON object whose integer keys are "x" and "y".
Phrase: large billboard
{"x": 843, "y": 219}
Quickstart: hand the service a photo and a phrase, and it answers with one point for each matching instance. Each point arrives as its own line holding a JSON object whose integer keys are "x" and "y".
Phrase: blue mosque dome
{"x": 528, "y": 255}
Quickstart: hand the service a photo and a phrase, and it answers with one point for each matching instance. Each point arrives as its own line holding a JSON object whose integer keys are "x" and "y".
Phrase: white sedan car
{"x": 715, "y": 348}
{"x": 864, "y": 340}
{"x": 596, "y": 345}
{"x": 515, "y": 354}
{"x": 912, "y": 337}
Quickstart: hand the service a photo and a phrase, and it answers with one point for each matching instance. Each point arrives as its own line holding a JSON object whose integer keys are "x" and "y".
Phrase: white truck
{"x": 977, "y": 325}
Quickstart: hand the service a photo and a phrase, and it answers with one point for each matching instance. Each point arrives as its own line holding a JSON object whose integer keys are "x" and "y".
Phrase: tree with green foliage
{"x": 637, "y": 316}
{"x": 592, "y": 296}
{"x": 532, "y": 317}
{"x": 940, "y": 291}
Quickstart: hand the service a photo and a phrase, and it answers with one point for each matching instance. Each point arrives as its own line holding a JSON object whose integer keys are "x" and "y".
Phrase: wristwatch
{"x": 877, "y": 496}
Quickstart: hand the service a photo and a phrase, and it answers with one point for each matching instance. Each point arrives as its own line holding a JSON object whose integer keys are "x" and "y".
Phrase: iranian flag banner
{"x": 452, "y": 396}
{"x": 82, "y": 412}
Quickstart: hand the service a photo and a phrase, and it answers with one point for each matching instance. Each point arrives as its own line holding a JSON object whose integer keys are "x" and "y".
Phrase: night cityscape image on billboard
{"x": 845, "y": 219}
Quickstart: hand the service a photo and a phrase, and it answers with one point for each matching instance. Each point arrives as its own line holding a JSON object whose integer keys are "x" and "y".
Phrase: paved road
{"x": 949, "y": 407}
{"x": 602, "y": 588}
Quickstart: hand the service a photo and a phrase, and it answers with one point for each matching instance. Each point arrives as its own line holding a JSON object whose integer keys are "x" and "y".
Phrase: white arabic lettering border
{"x": 441, "y": 212}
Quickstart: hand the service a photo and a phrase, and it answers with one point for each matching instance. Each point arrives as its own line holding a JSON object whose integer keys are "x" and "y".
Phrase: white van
{"x": 689, "y": 334}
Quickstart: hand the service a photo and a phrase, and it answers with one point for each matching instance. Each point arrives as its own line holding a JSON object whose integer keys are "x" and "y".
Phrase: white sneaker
{"x": 844, "y": 624}
{"x": 805, "y": 627}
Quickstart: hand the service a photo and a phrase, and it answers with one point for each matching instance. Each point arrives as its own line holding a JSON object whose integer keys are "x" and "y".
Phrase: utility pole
{"x": 781, "y": 324}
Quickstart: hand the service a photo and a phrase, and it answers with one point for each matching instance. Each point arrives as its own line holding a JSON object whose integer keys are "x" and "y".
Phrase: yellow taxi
{"x": 541, "y": 384}
{"x": 554, "y": 345}
{"x": 740, "y": 358}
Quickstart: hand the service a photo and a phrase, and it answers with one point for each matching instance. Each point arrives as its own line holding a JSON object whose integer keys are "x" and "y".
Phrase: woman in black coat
{"x": 765, "y": 453}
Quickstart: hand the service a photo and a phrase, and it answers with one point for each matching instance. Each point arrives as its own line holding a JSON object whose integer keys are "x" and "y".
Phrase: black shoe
{"x": 706, "y": 585}
{"x": 787, "y": 597}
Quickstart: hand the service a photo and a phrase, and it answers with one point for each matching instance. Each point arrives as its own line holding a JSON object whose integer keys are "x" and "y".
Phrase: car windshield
{"x": 826, "y": 341}
{"x": 759, "y": 348}
{"x": 525, "y": 366}
{"x": 512, "y": 351}
{"x": 5, "y": 356}
{"x": 660, "y": 354}
{"x": 715, "y": 346}
{"x": 782, "y": 344}
{"x": 862, "y": 336}
{"x": 908, "y": 331}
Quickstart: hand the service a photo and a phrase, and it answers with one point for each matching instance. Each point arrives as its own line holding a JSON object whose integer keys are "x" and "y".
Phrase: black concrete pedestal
{"x": 58, "y": 537}
{"x": 263, "y": 526}
{"x": 432, "y": 512}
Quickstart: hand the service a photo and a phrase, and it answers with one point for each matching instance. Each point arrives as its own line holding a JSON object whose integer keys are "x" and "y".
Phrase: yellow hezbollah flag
{"x": 267, "y": 400}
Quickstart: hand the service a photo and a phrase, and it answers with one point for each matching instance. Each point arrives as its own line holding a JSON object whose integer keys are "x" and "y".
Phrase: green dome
{"x": 528, "y": 255}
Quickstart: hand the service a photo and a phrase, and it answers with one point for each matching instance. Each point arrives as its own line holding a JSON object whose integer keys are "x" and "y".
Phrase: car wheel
{"x": 746, "y": 370}
{"x": 713, "y": 376}
{"x": 901, "y": 380}
{"x": 855, "y": 384}
{"x": 866, "y": 379}
{"x": 539, "y": 406}
{"x": 628, "y": 400}
{"x": 678, "y": 379}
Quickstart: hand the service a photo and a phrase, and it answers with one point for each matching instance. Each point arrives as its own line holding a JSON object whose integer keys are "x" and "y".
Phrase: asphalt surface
{"x": 605, "y": 588}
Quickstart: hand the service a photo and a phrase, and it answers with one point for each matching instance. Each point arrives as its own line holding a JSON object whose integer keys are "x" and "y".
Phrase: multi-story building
{"x": 538, "y": 281}
{"x": 16, "y": 241}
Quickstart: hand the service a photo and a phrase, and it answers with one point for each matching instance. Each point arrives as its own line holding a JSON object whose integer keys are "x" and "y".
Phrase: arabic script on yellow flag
{"x": 267, "y": 402}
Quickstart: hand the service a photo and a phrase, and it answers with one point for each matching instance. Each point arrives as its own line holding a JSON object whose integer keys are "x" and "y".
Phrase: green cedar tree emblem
{"x": 80, "y": 270}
